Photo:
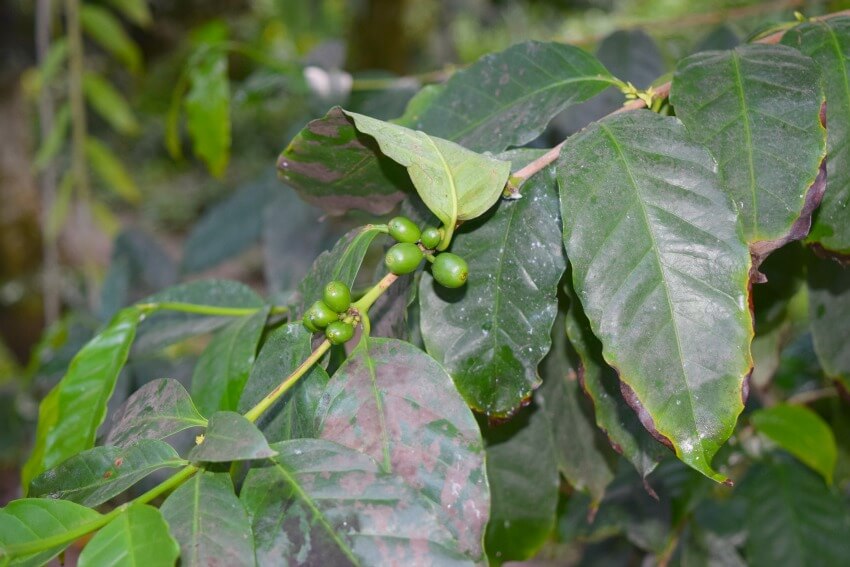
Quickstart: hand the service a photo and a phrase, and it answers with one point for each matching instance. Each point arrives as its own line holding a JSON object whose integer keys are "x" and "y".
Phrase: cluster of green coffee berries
{"x": 450, "y": 270}
{"x": 331, "y": 314}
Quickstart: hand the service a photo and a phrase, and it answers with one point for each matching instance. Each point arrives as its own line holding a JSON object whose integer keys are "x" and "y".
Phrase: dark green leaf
{"x": 292, "y": 416}
{"x": 492, "y": 333}
{"x": 166, "y": 327}
{"x": 801, "y": 432}
{"x": 399, "y": 406}
{"x": 319, "y": 503}
{"x": 106, "y": 30}
{"x": 828, "y": 43}
{"x": 32, "y": 519}
{"x": 110, "y": 104}
{"x": 793, "y": 518}
{"x": 524, "y": 482}
{"x": 71, "y": 413}
{"x": 208, "y": 108}
{"x": 92, "y": 477}
{"x": 757, "y": 109}
{"x": 111, "y": 171}
{"x": 208, "y": 521}
{"x": 508, "y": 98}
{"x": 662, "y": 272}
{"x": 139, "y": 536}
{"x": 223, "y": 368}
{"x": 829, "y": 314}
{"x": 230, "y": 437}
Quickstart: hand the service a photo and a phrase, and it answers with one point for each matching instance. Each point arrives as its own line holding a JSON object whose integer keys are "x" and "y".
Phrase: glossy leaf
{"x": 230, "y": 437}
{"x": 602, "y": 385}
{"x": 828, "y": 43}
{"x": 157, "y": 410}
{"x": 223, "y": 368}
{"x": 454, "y": 183}
{"x": 829, "y": 312}
{"x": 107, "y": 31}
{"x": 32, "y": 519}
{"x": 801, "y": 432}
{"x": 162, "y": 328}
{"x": 398, "y": 405}
{"x": 492, "y": 333}
{"x": 109, "y": 104}
{"x": 92, "y": 477}
{"x": 208, "y": 108}
{"x": 139, "y": 536}
{"x": 524, "y": 483}
{"x": 793, "y": 518}
{"x": 508, "y": 98}
{"x": 111, "y": 171}
{"x": 292, "y": 416}
{"x": 341, "y": 263}
{"x": 757, "y": 109}
{"x": 71, "y": 413}
{"x": 662, "y": 273}
{"x": 319, "y": 503}
{"x": 208, "y": 521}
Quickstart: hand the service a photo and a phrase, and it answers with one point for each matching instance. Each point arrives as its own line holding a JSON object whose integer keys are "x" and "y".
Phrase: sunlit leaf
{"x": 139, "y": 536}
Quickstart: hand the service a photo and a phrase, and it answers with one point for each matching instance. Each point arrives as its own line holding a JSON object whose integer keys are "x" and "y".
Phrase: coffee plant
{"x": 558, "y": 348}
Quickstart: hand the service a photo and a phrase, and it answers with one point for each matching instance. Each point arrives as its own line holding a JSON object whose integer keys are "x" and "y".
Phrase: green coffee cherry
{"x": 339, "y": 332}
{"x": 308, "y": 323}
{"x": 403, "y": 230}
{"x": 337, "y": 296}
{"x": 321, "y": 315}
{"x": 431, "y": 237}
{"x": 403, "y": 258}
{"x": 450, "y": 270}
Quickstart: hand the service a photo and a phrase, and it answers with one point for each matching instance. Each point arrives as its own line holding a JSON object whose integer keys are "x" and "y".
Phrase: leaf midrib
{"x": 748, "y": 136}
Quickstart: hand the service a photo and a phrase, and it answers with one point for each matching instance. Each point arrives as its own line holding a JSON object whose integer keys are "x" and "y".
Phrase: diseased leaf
{"x": 139, "y": 536}
{"x": 801, "y": 432}
{"x": 92, "y": 477}
{"x": 829, "y": 312}
{"x": 106, "y": 30}
{"x": 662, "y": 272}
{"x": 208, "y": 108}
{"x": 109, "y": 104}
{"x": 208, "y": 521}
{"x": 230, "y": 437}
{"x": 828, "y": 43}
{"x": 757, "y": 109}
{"x": 398, "y": 405}
{"x": 111, "y": 171}
{"x": 492, "y": 333}
{"x": 293, "y": 415}
{"x": 223, "y": 368}
{"x": 71, "y": 413}
{"x": 32, "y": 519}
{"x": 508, "y": 98}
{"x": 319, "y": 503}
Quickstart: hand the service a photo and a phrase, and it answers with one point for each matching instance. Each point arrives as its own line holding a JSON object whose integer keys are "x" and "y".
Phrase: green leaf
{"x": 341, "y": 263}
{"x": 208, "y": 108}
{"x": 292, "y": 416}
{"x": 139, "y": 536}
{"x": 508, "y": 98}
{"x": 829, "y": 311}
{"x": 111, "y": 171}
{"x": 162, "y": 328}
{"x": 71, "y": 413}
{"x": 524, "y": 484}
{"x": 55, "y": 140}
{"x": 602, "y": 385}
{"x": 801, "y": 432}
{"x": 492, "y": 333}
{"x": 29, "y": 520}
{"x": 828, "y": 43}
{"x": 757, "y": 109}
{"x": 230, "y": 437}
{"x": 319, "y": 503}
{"x": 208, "y": 521}
{"x": 134, "y": 10}
{"x": 157, "y": 410}
{"x": 53, "y": 62}
{"x": 110, "y": 104}
{"x": 92, "y": 477}
{"x": 793, "y": 518}
{"x": 106, "y": 30}
{"x": 662, "y": 272}
{"x": 223, "y": 368}
{"x": 398, "y": 405}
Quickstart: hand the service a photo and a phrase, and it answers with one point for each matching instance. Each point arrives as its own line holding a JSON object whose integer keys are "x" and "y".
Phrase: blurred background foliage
{"x": 164, "y": 170}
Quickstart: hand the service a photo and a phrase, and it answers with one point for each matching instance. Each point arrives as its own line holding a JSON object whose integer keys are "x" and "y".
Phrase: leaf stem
{"x": 365, "y": 303}
{"x": 214, "y": 310}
